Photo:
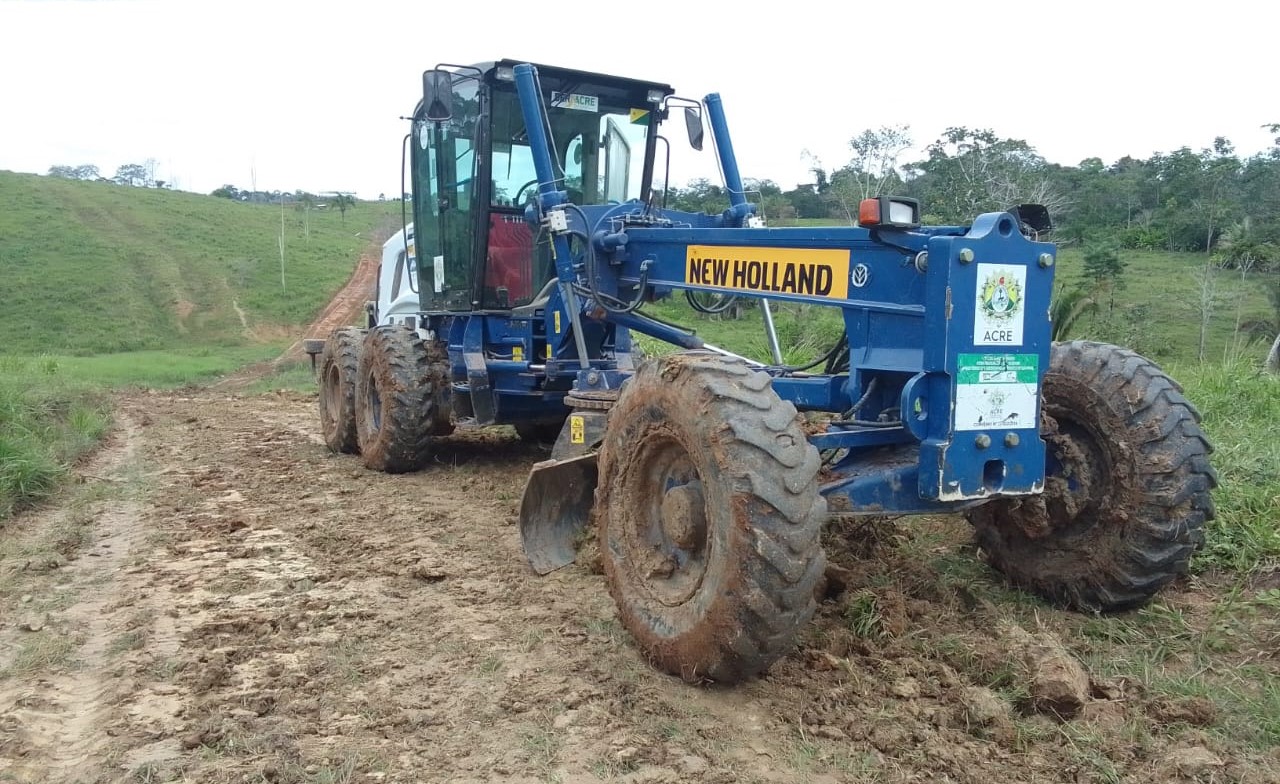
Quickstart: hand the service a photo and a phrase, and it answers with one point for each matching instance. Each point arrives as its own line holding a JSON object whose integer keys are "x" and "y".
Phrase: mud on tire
{"x": 339, "y": 368}
{"x": 708, "y": 517}
{"x": 1127, "y": 488}
{"x": 401, "y": 398}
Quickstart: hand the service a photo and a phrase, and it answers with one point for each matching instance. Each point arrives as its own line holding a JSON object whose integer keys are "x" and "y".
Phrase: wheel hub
{"x": 684, "y": 520}
{"x": 1073, "y": 480}
{"x": 669, "y": 546}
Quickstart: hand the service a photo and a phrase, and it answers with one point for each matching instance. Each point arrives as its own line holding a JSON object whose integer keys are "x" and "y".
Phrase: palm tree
{"x": 1068, "y": 307}
{"x": 343, "y": 201}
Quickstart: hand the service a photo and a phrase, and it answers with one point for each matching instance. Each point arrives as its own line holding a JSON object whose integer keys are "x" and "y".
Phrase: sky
{"x": 292, "y": 95}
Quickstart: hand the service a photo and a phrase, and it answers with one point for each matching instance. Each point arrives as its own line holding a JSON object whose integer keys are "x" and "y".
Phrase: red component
{"x": 510, "y": 257}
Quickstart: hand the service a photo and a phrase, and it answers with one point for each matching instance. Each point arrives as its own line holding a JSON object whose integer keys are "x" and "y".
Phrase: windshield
{"x": 599, "y": 138}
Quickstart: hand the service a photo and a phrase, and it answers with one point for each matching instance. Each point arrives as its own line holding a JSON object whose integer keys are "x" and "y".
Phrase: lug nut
{"x": 1011, "y": 439}
{"x": 983, "y": 441}
{"x": 966, "y": 255}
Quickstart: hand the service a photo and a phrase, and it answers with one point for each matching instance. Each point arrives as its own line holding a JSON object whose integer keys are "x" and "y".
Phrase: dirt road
{"x": 239, "y": 605}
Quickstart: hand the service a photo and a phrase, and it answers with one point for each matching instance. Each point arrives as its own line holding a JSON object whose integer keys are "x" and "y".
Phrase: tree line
{"x": 139, "y": 175}
{"x": 1210, "y": 199}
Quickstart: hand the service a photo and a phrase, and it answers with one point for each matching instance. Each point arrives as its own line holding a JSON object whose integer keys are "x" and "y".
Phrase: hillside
{"x": 92, "y": 268}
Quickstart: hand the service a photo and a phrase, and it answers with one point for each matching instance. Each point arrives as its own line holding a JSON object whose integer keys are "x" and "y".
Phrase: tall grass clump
{"x": 1241, "y": 408}
{"x": 47, "y": 422}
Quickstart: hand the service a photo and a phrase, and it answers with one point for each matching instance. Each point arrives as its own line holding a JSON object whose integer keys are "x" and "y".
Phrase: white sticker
{"x": 438, "y": 265}
{"x": 996, "y": 391}
{"x": 583, "y": 103}
{"x": 999, "y": 305}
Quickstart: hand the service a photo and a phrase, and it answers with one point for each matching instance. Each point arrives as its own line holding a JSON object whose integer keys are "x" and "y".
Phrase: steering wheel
{"x": 518, "y": 200}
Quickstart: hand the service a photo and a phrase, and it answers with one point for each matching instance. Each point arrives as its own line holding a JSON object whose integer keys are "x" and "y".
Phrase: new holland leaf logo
{"x": 1001, "y": 295}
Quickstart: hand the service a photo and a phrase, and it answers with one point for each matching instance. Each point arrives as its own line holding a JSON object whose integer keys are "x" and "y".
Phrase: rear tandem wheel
{"x": 1126, "y": 488}
{"x": 709, "y": 517}
{"x": 339, "y": 361}
{"x": 402, "y": 399}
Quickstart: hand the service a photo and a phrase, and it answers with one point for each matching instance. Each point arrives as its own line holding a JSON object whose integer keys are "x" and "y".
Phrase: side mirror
{"x": 693, "y": 122}
{"x": 1034, "y": 217}
{"x": 437, "y": 95}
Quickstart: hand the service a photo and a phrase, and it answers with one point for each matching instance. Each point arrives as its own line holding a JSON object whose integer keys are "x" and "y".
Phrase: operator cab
{"x": 473, "y": 175}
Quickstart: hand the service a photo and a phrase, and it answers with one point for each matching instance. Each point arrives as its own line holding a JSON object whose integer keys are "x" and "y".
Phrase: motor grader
{"x": 540, "y": 236}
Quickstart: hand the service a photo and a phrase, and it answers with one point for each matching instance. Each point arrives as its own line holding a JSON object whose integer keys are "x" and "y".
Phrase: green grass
{"x": 93, "y": 268}
{"x": 47, "y": 422}
{"x": 1241, "y": 409}
{"x": 1156, "y": 310}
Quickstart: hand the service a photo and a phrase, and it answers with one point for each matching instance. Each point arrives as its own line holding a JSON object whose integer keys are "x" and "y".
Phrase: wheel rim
{"x": 375, "y": 405}
{"x": 331, "y": 394}
{"x": 1078, "y": 476}
{"x": 667, "y": 541}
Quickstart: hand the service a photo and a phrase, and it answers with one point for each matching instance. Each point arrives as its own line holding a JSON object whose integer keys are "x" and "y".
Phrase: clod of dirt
{"x": 692, "y": 766}
{"x": 1059, "y": 684}
{"x": 1196, "y": 711}
{"x": 985, "y": 713}
{"x": 211, "y": 676}
{"x": 26, "y": 598}
{"x": 838, "y": 579}
{"x": 626, "y": 754}
{"x": 829, "y": 732}
{"x": 426, "y": 573}
{"x": 905, "y": 689}
{"x": 32, "y": 623}
{"x": 1193, "y": 761}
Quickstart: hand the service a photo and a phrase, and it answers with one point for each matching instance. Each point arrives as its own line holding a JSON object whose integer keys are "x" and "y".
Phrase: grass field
{"x": 108, "y": 286}
{"x": 94, "y": 268}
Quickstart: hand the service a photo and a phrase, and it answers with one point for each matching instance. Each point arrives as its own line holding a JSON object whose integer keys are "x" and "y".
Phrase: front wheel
{"x": 708, "y": 517}
{"x": 1127, "y": 486}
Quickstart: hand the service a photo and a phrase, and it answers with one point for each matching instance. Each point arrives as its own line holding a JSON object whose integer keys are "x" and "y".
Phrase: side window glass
{"x": 617, "y": 161}
{"x": 399, "y": 276}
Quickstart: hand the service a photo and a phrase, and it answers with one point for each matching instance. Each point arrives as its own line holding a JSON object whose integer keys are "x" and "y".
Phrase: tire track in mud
{"x": 303, "y": 619}
{"x": 59, "y": 716}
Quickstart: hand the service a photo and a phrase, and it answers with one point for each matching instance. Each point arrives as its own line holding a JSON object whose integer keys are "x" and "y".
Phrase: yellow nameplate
{"x": 807, "y": 272}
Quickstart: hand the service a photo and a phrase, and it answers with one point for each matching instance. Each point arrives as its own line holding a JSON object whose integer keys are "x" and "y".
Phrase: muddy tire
{"x": 339, "y": 370}
{"x": 1127, "y": 488}
{"x": 708, "y": 517}
{"x": 399, "y": 399}
{"x": 539, "y": 432}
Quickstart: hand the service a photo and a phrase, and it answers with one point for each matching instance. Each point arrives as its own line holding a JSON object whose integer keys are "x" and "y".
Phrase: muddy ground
{"x": 223, "y": 600}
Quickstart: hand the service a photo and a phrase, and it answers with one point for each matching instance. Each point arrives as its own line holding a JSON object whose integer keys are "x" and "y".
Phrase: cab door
{"x": 445, "y": 201}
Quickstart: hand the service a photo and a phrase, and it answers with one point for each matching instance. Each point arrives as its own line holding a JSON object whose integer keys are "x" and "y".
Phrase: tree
{"x": 304, "y": 202}
{"x": 701, "y": 195}
{"x": 132, "y": 174}
{"x": 1206, "y": 300}
{"x": 1102, "y": 263}
{"x": 1262, "y": 329}
{"x": 227, "y": 192}
{"x": 83, "y": 172}
{"x": 870, "y": 171}
{"x": 1068, "y": 307}
{"x": 969, "y": 172}
{"x": 344, "y": 202}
